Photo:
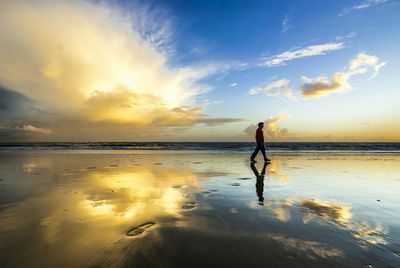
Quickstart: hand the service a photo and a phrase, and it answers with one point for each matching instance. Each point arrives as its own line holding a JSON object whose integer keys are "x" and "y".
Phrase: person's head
{"x": 261, "y": 125}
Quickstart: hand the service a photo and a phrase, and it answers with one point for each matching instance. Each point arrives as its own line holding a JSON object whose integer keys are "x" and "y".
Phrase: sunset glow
{"x": 150, "y": 71}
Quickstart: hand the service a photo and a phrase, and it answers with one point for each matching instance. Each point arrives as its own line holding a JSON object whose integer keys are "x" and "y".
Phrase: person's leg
{"x": 263, "y": 151}
{"x": 253, "y": 156}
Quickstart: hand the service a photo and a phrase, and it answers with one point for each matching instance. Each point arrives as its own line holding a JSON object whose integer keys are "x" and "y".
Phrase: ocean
{"x": 384, "y": 147}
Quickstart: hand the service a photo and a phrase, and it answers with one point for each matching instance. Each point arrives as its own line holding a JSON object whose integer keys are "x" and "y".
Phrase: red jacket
{"x": 259, "y": 136}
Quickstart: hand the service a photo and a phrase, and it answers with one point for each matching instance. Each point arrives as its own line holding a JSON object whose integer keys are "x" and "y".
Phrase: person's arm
{"x": 262, "y": 137}
{"x": 259, "y": 137}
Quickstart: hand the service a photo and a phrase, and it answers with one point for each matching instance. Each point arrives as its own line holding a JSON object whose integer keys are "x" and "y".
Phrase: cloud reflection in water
{"x": 341, "y": 217}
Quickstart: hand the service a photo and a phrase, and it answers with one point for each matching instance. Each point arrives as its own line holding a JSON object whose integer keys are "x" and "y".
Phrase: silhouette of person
{"x": 260, "y": 144}
{"x": 259, "y": 182}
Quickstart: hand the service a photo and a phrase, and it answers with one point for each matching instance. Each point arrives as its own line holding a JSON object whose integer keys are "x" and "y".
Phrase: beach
{"x": 121, "y": 208}
{"x": 129, "y": 132}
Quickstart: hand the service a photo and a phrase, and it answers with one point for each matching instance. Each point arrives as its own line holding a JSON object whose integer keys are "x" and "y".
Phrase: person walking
{"x": 260, "y": 144}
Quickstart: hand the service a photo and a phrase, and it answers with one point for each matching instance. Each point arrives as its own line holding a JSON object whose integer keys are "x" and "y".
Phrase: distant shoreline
{"x": 293, "y": 147}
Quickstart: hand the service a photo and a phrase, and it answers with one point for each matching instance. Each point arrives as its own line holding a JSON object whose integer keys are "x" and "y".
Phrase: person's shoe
{"x": 267, "y": 159}
{"x": 253, "y": 161}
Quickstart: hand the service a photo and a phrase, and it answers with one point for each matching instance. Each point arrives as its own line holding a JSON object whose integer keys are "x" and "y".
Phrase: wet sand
{"x": 188, "y": 209}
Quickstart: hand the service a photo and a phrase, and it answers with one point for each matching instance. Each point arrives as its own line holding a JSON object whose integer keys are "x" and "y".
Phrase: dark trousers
{"x": 260, "y": 147}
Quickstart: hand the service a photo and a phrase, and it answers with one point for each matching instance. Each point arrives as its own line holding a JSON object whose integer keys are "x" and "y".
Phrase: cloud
{"x": 125, "y": 107}
{"x": 327, "y": 211}
{"x": 278, "y": 88}
{"x": 271, "y": 129}
{"x": 341, "y": 217}
{"x": 215, "y": 121}
{"x": 280, "y": 208}
{"x": 363, "y": 63}
{"x": 320, "y": 86}
{"x": 233, "y": 84}
{"x": 36, "y": 129}
{"x": 366, "y": 4}
{"x": 91, "y": 64}
{"x": 339, "y": 82}
{"x": 309, "y": 51}
{"x": 309, "y": 248}
{"x": 22, "y": 132}
{"x": 347, "y": 36}
{"x": 19, "y": 115}
{"x": 208, "y": 102}
{"x": 188, "y": 116}
{"x": 14, "y": 106}
{"x": 155, "y": 27}
{"x": 286, "y": 23}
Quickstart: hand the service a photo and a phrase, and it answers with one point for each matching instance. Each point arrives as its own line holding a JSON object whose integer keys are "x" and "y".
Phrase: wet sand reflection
{"x": 61, "y": 210}
{"x": 341, "y": 217}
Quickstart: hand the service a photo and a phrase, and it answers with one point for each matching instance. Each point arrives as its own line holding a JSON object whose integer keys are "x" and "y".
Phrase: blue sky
{"x": 246, "y": 31}
{"x": 202, "y": 70}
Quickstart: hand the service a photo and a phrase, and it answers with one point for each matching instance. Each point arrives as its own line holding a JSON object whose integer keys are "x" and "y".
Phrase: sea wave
{"x": 208, "y": 146}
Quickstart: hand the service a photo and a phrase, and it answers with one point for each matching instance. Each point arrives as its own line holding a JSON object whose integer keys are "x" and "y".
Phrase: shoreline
{"x": 179, "y": 152}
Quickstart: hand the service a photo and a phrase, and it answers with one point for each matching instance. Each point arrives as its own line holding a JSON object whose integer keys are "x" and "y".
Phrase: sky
{"x": 206, "y": 70}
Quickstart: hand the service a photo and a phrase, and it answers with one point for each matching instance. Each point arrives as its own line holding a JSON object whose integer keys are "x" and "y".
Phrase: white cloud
{"x": 233, "y": 84}
{"x": 364, "y": 63}
{"x": 347, "y": 36}
{"x": 155, "y": 27}
{"x": 271, "y": 128}
{"x": 339, "y": 82}
{"x": 278, "y": 88}
{"x": 286, "y": 26}
{"x": 28, "y": 128}
{"x": 309, "y": 51}
{"x": 322, "y": 85}
{"x": 36, "y": 129}
{"x": 208, "y": 102}
{"x": 366, "y": 4}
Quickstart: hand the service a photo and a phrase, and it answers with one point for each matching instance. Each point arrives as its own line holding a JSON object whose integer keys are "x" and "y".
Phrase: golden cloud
{"x": 36, "y": 129}
{"x": 327, "y": 211}
{"x": 321, "y": 86}
{"x": 308, "y": 247}
{"x": 90, "y": 62}
{"x": 341, "y": 217}
{"x": 271, "y": 129}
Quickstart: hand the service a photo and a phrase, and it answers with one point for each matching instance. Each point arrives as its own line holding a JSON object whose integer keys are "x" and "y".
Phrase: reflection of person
{"x": 260, "y": 143}
{"x": 260, "y": 182}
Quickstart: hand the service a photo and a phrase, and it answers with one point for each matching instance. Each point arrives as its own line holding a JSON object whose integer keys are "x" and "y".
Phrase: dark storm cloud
{"x": 20, "y": 117}
{"x": 13, "y": 104}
